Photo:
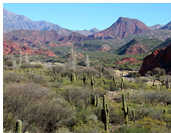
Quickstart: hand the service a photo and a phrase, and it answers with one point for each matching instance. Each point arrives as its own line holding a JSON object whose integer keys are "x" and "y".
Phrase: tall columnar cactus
{"x": 128, "y": 97}
{"x": 122, "y": 84}
{"x": 92, "y": 82}
{"x": 167, "y": 84}
{"x": 125, "y": 109}
{"x": 133, "y": 116}
{"x": 72, "y": 78}
{"x": 94, "y": 100}
{"x": 84, "y": 78}
{"x": 104, "y": 81}
{"x": 114, "y": 81}
{"x": 164, "y": 111}
{"x": 18, "y": 126}
{"x": 105, "y": 114}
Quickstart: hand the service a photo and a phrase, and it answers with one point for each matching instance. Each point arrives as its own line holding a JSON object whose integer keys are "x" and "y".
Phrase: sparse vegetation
{"x": 57, "y": 99}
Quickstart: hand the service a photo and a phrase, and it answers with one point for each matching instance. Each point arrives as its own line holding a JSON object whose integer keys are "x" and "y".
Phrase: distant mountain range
{"x": 12, "y": 21}
{"x": 132, "y": 34}
{"x": 156, "y": 27}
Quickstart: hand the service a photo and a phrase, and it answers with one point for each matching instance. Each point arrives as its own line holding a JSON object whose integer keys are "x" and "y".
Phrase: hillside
{"x": 122, "y": 28}
{"x": 74, "y": 37}
{"x": 156, "y": 27}
{"x": 164, "y": 44}
{"x": 167, "y": 26}
{"x": 139, "y": 46}
{"x": 10, "y": 48}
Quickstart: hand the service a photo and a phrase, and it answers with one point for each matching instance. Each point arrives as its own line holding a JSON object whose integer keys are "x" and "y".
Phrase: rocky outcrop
{"x": 139, "y": 46}
{"x": 159, "y": 58}
{"x": 122, "y": 28}
{"x": 10, "y": 47}
{"x": 128, "y": 59}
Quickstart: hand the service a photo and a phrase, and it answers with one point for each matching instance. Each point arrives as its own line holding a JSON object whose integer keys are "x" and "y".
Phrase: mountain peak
{"x": 122, "y": 28}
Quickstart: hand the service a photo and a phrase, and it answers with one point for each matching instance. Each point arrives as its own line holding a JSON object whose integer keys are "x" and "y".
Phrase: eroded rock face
{"x": 136, "y": 48}
{"x": 10, "y": 47}
{"x": 128, "y": 59}
{"x": 159, "y": 58}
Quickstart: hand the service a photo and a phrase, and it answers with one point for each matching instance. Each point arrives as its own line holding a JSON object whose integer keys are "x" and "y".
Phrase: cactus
{"x": 105, "y": 114}
{"x": 18, "y": 126}
{"x": 94, "y": 100}
{"x": 122, "y": 84}
{"x": 72, "y": 78}
{"x": 164, "y": 111}
{"x": 133, "y": 116}
{"x": 84, "y": 78}
{"x": 128, "y": 97}
{"x": 114, "y": 81}
{"x": 167, "y": 84}
{"x": 104, "y": 81}
{"x": 92, "y": 82}
{"x": 125, "y": 109}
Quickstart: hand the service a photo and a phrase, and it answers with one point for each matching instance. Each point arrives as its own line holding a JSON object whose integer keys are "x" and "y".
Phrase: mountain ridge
{"x": 122, "y": 28}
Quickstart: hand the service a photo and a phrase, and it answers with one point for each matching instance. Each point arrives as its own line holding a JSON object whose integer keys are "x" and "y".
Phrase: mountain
{"x": 164, "y": 44}
{"x": 139, "y": 46}
{"x": 74, "y": 37}
{"x": 167, "y": 26}
{"x": 122, "y": 28}
{"x": 34, "y": 35}
{"x": 156, "y": 27}
{"x": 12, "y": 21}
{"x": 159, "y": 58}
{"x": 88, "y": 32}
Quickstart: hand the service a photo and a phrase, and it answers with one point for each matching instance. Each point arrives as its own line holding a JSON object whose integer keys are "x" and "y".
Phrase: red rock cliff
{"x": 159, "y": 58}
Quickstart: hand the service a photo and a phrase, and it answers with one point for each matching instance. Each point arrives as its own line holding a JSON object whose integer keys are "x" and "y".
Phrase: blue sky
{"x": 92, "y": 15}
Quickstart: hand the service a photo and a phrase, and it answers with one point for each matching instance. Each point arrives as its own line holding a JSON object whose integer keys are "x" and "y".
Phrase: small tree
{"x": 20, "y": 57}
{"x": 87, "y": 61}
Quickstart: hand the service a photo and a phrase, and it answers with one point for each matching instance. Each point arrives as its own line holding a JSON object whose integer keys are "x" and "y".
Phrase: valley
{"x": 57, "y": 80}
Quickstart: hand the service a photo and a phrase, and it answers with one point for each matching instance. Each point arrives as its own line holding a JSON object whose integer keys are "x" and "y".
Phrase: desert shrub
{"x": 89, "y": 127}
{"x": 29, "y": 75}
{"x": 76, "y": 95}
{"x": 63, "y": 130}
{"x": 125, "y": 129}
{"x": 155, "y": 126}
{"x": 24, "y": 66}
{"x": 38, "y": 79}
{"x": 91, "y": 71}
{"x": 13, "y": 77}
{"x": 9, "y": 63}
{"x": 116, "y": 114}
{"x": 158, "y": 71}
{"x": 36, "y": 107}
{"x": 134, "y": 74}
{"x": 6, "y": 68}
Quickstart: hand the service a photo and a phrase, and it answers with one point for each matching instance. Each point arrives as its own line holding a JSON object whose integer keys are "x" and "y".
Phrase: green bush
{"x": 125, "y": 129}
